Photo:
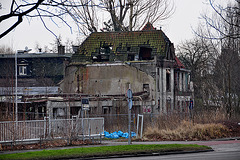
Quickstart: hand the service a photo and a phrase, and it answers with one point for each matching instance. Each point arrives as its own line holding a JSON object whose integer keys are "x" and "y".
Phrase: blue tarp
{"x": 119, "y": 134}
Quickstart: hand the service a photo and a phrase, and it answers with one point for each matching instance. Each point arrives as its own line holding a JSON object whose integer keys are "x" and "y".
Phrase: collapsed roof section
{"x": 124, "y": 46}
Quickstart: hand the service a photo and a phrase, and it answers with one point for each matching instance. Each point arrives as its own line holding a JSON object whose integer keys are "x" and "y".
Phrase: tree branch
{"x": 19, "y": 15}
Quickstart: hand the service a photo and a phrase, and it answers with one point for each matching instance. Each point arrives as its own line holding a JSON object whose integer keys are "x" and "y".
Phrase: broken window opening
{"x": 74, "y": 110}
{"x": 136, "y": 109}
{"x": 145, "y": 53}
{"x": 168, "y": 106}
{"x": 59, "y": 113}
{"x": 105, "y": 50}
{"x": 106, "y": 109}
{"x": 168, "y": 80}
{"x": 157, "y": 80}
{"x": 146, "y": 87}
{"x": 103, "y": 54}
{"x": 41, "y": 111}
{"x": 131, "y": 57}
{"x": 182, "y": 82}
{"x": 178, "y": 80}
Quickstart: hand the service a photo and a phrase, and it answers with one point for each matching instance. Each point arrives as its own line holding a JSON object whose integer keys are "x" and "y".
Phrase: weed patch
{"x": 188, "y": 131}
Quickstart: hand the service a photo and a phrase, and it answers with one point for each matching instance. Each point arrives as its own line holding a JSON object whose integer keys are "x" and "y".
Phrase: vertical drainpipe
{"x": 16, "y": 104}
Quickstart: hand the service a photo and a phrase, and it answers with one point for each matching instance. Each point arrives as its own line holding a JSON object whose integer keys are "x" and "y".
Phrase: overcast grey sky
{"x": 178, "y": 28}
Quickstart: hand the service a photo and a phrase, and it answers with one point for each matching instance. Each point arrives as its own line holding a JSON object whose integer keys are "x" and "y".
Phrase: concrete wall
{"x": 69, "y": 84}
{"x": 147, "y": 67}
{"x": 106, "y": 79}
{"x": 63, "y": 108}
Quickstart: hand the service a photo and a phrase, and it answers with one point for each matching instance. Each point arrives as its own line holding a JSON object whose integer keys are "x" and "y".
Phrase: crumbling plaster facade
{"x": 106, "y": 79}
{"x": 113, "y": 79}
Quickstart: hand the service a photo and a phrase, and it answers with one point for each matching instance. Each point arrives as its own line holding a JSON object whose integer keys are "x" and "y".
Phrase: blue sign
{"x": 130, "y": 97}
{"x": 129, "y": 94}
{"x": 130, "y": 103}
{"x": 191, "y": 104}
{"x": 85, "y": 101}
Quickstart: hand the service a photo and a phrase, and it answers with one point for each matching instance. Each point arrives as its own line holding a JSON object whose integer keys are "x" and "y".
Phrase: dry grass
{"x": 188, "y": 131}
{"x": 210, "y": 116}
{"x": 207, "y": 124}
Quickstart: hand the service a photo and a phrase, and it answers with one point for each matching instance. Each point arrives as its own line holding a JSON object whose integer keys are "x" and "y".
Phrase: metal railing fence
{"x": 12, "y": 131}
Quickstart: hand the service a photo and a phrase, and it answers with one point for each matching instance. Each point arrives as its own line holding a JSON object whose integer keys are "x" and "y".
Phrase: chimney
{"x": 61, "y": 50}
{"x": 75, "y": 49}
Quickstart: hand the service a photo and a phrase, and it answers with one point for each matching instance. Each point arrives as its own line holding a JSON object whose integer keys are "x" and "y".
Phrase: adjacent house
{"x": 37, "y": 74}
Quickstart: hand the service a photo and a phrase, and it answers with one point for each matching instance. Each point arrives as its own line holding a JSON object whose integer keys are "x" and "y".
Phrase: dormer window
{"x": 103, "y": 54}
{"x": 22, "y": 70}
{"x": 145, "y": 53}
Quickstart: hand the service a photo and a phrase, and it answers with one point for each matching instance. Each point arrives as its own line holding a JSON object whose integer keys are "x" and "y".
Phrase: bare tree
{"x": 227, "y": 66}
{"x": 226, "y": 75}
{"x": 198, "y": 55}
{"x": 218, "y": 22}
{"x": 225, "y": 28}
{"x": 6, "y": 50}
{"x": 51, "y": 9}
{"x": 68, "y": 46}
{"x": 121, "y": 15}
{"x": 85, "y": 17}
{"x": 18, "y": 10}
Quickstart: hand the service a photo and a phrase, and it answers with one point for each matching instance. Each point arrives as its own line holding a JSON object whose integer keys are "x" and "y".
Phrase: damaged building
{"x": 107, "y": 64}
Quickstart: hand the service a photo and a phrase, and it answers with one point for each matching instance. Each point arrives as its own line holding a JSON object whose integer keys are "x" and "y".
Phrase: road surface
{"x": 223, "y": 150}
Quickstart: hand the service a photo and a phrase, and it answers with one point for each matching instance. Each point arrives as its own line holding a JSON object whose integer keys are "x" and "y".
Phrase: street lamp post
{"x": 16, "y": 104}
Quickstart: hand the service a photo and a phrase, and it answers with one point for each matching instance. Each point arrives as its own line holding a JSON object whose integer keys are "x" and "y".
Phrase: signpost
{"x": 130, "y": 103}
{"x": 190, "y": 109}
{"x": 191, "y": 105}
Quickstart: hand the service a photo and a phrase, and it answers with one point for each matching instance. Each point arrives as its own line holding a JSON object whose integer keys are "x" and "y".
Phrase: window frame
{"x": 22, "y": 70}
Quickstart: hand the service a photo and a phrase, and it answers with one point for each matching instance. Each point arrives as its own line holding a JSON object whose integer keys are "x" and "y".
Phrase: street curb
{"x": 144, "y": 154}
{"x": 137, "y": 155}
{"x": 227, "y": 139}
